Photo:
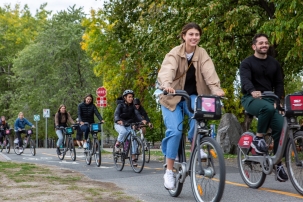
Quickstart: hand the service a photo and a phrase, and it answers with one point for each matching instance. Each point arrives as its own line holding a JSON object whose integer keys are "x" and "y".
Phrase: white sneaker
{"x": 84, "y": 145}
{"x": 169, "y": 180}
{"x": 21, "y": 150}
{"x": 203, "y": 154}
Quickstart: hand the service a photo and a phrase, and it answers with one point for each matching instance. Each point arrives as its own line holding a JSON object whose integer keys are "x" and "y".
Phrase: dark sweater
{"x": 261, "y": 75}
{"x": 86, "y": 113}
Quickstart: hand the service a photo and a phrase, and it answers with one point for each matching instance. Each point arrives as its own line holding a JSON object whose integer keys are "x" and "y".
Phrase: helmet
{"x": 136, "y": 101}
{"x": 126, "y": 92}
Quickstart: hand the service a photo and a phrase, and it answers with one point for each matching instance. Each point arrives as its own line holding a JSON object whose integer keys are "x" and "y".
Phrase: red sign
{"x": 101, "y": 102}
{"x": 101, "y": 91}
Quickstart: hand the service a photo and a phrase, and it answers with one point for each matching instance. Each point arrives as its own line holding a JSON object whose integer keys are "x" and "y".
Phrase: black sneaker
{"x": 281, "y": 174}
{"x": 58, "y": 151}
{"x": 259, "y": 145}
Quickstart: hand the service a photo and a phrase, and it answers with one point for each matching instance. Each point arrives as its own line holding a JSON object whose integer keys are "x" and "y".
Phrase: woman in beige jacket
{"x": 186, "y": 67}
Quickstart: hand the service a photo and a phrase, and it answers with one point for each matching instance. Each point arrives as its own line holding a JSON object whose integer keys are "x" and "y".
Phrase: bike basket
{"x": 294, "y": 105}
{"x": 95, "y": 127}
{"x": 7, "y": 132}
{"x": 207, "y": 107}
{"x": 30, "y": 131}
{"x": 69, "y": 130}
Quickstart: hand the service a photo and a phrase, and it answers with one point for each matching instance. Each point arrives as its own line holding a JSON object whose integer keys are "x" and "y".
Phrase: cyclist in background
{"x": 126, "y": 113}
{"x": 261, "y": 72}
{"x": 19, "y": 125}
{"x": 143, "y": 113}
{"x": 186, "y": 67}
{"x": 86, "y": 112}
{"x": 61, "y": 119}
{"x": 3, "y": 125}
{"x": 79, "y": 136}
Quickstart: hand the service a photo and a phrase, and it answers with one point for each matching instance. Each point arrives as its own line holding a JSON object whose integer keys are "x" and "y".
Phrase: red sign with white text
{"x": 101, "y": 91}
{"x": 101, "y": 102}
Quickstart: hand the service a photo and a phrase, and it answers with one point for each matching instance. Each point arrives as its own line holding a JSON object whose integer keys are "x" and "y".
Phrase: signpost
{"x": 101, "y": 102}
{"x": 37, "y": 118}
{"x": 46, "y": 114}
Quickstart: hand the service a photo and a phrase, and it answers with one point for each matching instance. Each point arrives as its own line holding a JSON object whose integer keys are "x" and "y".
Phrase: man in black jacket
{"x": 143, "y": 113}
{"x": 261, "y": 72}
{"x": 86, "y": 111}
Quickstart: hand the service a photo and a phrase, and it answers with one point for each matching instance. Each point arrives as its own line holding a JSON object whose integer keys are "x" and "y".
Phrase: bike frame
{"x": 287, "y": 134}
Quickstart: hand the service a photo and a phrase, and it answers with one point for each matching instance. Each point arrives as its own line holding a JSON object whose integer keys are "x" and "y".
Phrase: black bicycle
{"x": 26, "y": 142}
{"x": 206, "y": 166}
{"x": 93, "y": 148}
{"x": 68, "y": 142}
{"x": 6, "y": 143}
{"x": 131, "y": 148}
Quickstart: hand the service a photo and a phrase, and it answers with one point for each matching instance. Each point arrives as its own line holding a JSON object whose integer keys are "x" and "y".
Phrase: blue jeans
{"x": 174, "y": 127}
{"x": 60, "y": 137}
{"x": 85, "y": 129}
{"x": 123, "y": 132}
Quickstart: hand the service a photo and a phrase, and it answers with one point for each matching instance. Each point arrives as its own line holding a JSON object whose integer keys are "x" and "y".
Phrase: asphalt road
{"x": 148, "y": 185}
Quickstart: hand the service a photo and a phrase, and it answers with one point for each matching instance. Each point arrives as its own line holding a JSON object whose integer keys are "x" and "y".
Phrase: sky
{"x": 55, "y": 5}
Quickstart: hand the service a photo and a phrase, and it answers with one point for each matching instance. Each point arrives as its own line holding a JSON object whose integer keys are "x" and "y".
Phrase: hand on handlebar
{"x": 256, "y": 94}
{"x": 169, "y": 90}
{"x": 150, "y": 125}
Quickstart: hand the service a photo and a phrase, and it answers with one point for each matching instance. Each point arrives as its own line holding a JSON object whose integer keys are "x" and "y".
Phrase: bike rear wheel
{"x": 295, "y": 171}
{"x": 32, "y": 147}
{"x": 147, "y": 151}
{"x": 87, "y": 154}
{"x": 8, "y": 146}
{"x": 208, "y": 186}
{"x": 137, "y": 154}
{"x": 97, "y": 153}
{"x": 16, "y": 149}
{"x": 72, "y": 150}
{"x": 119, "y": 156}
{"x": 250, "y": 171}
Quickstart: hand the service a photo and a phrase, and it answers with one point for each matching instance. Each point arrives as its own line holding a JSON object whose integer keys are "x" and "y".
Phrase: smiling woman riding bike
{"x": 186, "y": 67}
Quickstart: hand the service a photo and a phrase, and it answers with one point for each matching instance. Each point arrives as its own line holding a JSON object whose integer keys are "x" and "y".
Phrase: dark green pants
{"x": 268, "y": 116}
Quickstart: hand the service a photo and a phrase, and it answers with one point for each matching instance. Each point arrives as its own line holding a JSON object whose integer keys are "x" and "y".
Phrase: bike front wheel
{"x": 8, "y": 146}
{"x": 97, "y": 153}
{"x": 208, "y": 175}
{"x": 119, "y": 156}
{"x": 137, "y": 154}
{"x": 87, "y": 154}
{"x": 72, "y": 150}
{"x": 294, "y": 170}
{"x": 16, "y": 149}
{"x": 32, "y": 147}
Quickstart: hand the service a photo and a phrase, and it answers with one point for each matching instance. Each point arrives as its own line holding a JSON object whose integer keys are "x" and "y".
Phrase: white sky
{"x": 55, "y": 5}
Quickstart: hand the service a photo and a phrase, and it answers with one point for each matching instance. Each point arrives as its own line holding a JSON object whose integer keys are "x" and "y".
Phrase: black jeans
{"x": 18, "y": 134}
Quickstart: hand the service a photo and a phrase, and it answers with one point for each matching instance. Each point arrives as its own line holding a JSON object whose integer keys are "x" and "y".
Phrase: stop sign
{"x": 101, "y": 91}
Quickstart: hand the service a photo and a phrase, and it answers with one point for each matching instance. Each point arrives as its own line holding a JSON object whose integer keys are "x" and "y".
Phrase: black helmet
{"x": 126, "y": 92}
{"x": 136, "y": 101}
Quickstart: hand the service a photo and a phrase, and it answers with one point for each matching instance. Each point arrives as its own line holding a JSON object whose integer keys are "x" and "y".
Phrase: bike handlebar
{"x": 185, "y": 95}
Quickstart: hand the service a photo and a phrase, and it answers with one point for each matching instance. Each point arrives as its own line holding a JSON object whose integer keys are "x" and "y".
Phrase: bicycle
{"x": 146, "y": 144}
{"x": 93, "y": 149}
{"x": 254, "y": 168}
{"x": 26, "y": 142}
{"x": 6, "y": 143}
{"x": 68, "y": 142}
{"x": 128, "y": 151}
{"x": 207, "y": 173}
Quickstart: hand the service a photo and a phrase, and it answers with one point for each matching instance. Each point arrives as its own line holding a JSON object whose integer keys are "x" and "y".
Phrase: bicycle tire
{"x": 179, "y": 185}
{"x": 295, "y": 171}
{"x": 16, "y": 149}
{"x": 87, "y": 154}
{"x": 147, "y": 151}
{"x": 97, "y": 153}
{"x": 119, "y": 156}
{"x": 136, "y": 148}
{"x": 251, "y": 172}
{"x": 72, "y": 150}
{"x": 210, "y": 185}
{"x": 8, "y": 146}
{"x": 32, "y": 147}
